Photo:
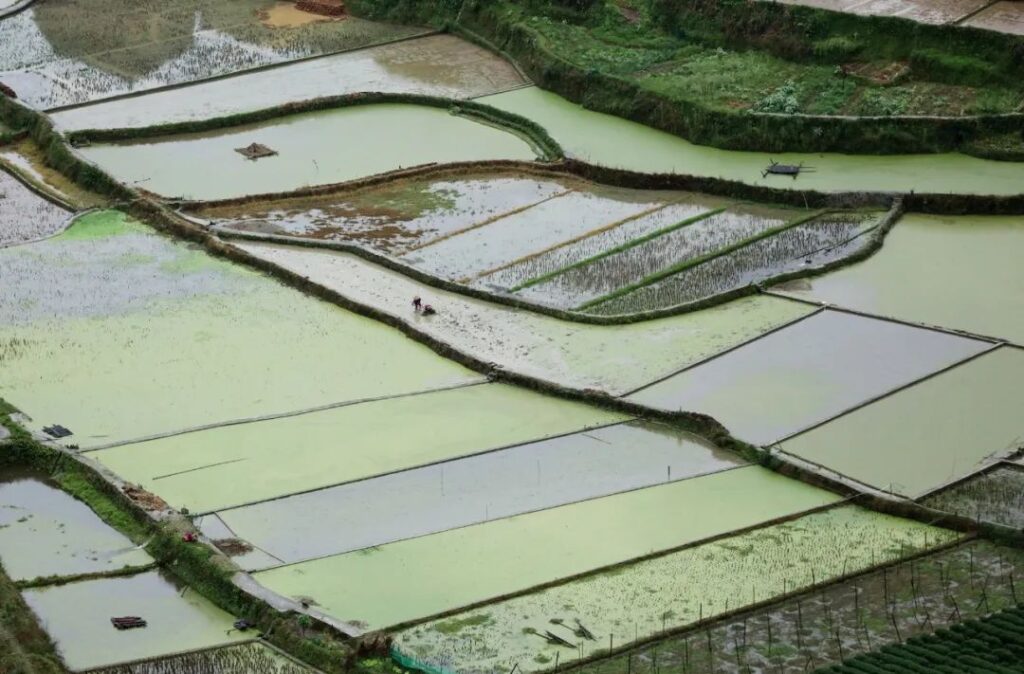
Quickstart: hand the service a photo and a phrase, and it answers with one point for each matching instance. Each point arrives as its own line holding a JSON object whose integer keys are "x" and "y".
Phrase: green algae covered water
{"x": 611, "y": 141}
{"x": 315, "y": 148}
{"x": 119, "y": 333}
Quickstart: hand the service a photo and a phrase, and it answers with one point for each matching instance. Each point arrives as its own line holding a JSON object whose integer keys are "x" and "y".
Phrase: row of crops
{"x": 993, "y": 645}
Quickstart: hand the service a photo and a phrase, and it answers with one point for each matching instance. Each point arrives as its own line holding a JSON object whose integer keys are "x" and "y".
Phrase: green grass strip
{"x": 707, "y": 257}
{"x": 618, "y": 249}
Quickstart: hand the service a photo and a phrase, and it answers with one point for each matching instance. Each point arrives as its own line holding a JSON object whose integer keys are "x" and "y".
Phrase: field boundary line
{"x": 488, "y": 221}
{"x": 782, "y": 519}
{"x": 281, "y": 415}
{"x": 680, "y": 267}
{"x": 33, "y": 185}
{"x": 970, "y": 15}
{"x": 16, "y": 8}
{"x": 489, "y": 520}
{"x": 886, "y": 394}
{"x": 621, "y": 248}
{"x": 224, "y": 76}
{"x": 568, "y": 242}
{"x": 407, "y": 469}
{"x": 714, "y": 356}
{"x": 967, "y": 334}
{"x": 43, "y": 582}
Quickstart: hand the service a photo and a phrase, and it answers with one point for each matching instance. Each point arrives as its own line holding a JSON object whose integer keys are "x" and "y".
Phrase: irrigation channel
{"x": 221, "y": 402}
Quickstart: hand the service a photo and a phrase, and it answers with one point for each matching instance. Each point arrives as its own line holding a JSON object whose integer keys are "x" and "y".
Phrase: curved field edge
{"x": 535, "y": 135}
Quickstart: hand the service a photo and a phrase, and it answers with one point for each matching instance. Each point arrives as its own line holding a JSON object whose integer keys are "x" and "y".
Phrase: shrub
{"x": 835, "y": 49}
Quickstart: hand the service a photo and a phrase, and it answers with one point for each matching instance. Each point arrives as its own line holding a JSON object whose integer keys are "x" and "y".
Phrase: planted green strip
{"x": 617, "y": 249}
{"x": 689, "y": 264}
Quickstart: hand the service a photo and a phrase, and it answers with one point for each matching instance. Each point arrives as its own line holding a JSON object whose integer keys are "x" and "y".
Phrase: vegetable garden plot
{"x": 934, "y": 432}
{"x": 62, "y": 52}
{"x": 118, "y": 333}
{"x": 639, "y": 600}
{"x": 686, "y": 207}
{"x": 250, "y": 658}
{"x": 993, "y": 496}
{"x": 46, "y": 532}
{"x": 77, "y": 616}
{"x": 820, "y": 241}
{"x": 437, "y": 65}
{"x": 477, "y": 489}
{"x": 616, "y": 358}
{"x": 835, "y": 622}
{"x": 807, "y": 373}
{"x": 229, "y": 466}
{"x": 24, "y": 215}
{"x": 593, "y": 281}
{"x": 394, "y": 217}
{"x": 420, "y": 577}
{"x": 958, "y": 272}
{"x": 314, "y": 148}
{"x": 481, "y": 250}
{"x": 619, "y": 143}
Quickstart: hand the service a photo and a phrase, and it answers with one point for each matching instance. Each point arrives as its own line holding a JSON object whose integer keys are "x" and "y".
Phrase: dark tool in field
{"x": 553, "y": 638}
{"x": 793, "y": 170}
{"x": 582, "y": 631}
{"x": 128, "y": 622}
{"x": 57, "y": 431}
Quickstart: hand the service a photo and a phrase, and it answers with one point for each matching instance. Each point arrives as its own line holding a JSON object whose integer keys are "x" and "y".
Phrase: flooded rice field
{"x": 46, "y": 532}
{"x": 960, "y": 273}
{"x": 585, "y": 286}
{"x": 993, "y": 496}
{"x": 77, "y": 616}
{"x": 423, "y": 576}
{"x": 119, "y": 333}
{"x": 436, "y": 65}
{"x": 574, "y": 354}
{"x": 462, "y": 492}
{"x": 247, "y": 658}
{"x": 230, "y": 466}
{"x": 824, "y": 240}
{"x": 316, "y": 148}
{"x": 642, "y": 599}
{"x": 63, "y": 52}
{"x": 924, "y": 11}
{"x": 24, "y": 215}
{"x": 807, "y": 373}
{"x": 398, "y": 216}
{"x": 1005, "y": 16}
{"x": 612, "y": 141}
{"x": 28, "y": 160}
{"x": 922, "y": 437}
{"x": 835, "y": 622}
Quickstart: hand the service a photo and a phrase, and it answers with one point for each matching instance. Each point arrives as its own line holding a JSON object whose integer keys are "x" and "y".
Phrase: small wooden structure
{"x": 130, "y": 622}
{"x": 793, "y": 170}
{"x": 255, "y": 151}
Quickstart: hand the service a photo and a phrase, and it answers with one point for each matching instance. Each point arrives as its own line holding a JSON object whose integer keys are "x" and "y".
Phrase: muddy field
{"x": 254, "y": 658}
{"x": 992, "y": 496}
{"x": 924, "y": 11}
{"x": 1005, "y": 17}
{"x": 25, "y": 216}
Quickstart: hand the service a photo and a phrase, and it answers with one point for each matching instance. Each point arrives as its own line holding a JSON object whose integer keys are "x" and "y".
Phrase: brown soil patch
{"x": 147, "y": 500}
{"x": 878, "y": 73}
{"x": 289, "y": 15}
{"x": 233, "y": 546}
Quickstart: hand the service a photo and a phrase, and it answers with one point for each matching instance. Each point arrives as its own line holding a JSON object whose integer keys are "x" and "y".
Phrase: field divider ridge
{"x": 886, "y": 394}
{"x": 619, "y": 249}
{"x": 679, "y": 267}
{"x": 568, "y": 242}
{"x": 280, "y": 415}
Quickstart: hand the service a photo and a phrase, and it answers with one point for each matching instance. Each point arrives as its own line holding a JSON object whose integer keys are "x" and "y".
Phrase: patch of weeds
{"x": 456, "y": 625}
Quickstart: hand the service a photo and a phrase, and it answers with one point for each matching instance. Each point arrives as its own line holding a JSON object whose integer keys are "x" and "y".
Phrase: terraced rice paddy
{"x": 923, "y": 11}
{"x": 612, "y": 141}
{"x": 835, "y": 622}
{"x": 45, "y": 532}
{"x": 77, "y": 616}
{"x": 249, "y": 658}
{"x": 649, "y": 597}
{"x": 233, "y": 465}
{"x": 1005, "y": 17}
{"x": 64, "y": 53}
{"x": 575, "y": 354}
{"x": 807, "y": 373}
{"x": 316, "y": 148}
{"x": 993, "y": 496}
{"x": 24, "y": 215}
{"x": 822, "y": 241}
{"x": 28, "y": 160}
{"x": 923, "y": 437}
{"x": 118, "y": 333}
{"x": 394, "y": 218}
{"x": 417, "y": 578}
{"x": 956, "y": 272}
{"x": 437, "y": 65}
{"x": 462, "y": 492}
